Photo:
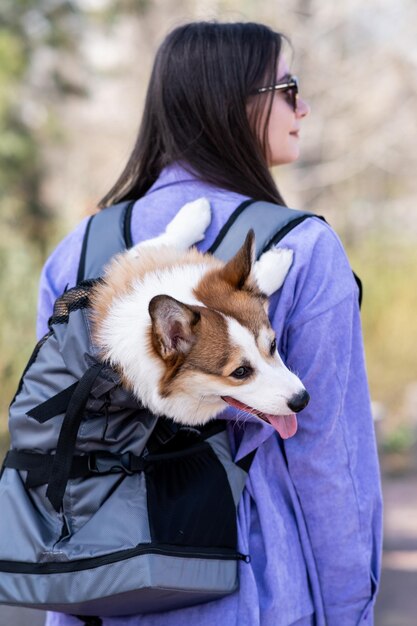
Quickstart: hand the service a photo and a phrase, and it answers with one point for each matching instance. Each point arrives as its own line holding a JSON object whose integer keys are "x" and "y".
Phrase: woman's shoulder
{"x": 64, "y": 259}
{"x": 320, "y": 277}
{"x": 315, "y": 240}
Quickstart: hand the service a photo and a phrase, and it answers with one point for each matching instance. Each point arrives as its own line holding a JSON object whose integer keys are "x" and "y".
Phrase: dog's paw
{"x": 272, "y": 268}
{"x": 190, "y": 223}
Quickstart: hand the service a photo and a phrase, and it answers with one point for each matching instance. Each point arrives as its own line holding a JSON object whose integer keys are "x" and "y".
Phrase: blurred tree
{"x": 357, "y": 63}
{"x": 28, "y": 28}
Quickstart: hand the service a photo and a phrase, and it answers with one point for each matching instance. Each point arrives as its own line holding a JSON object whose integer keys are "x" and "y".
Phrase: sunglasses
{"x": 288, "y": 86}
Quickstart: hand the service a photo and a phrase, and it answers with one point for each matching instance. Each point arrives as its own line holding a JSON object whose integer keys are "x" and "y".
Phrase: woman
{"x": 221, "y": 109}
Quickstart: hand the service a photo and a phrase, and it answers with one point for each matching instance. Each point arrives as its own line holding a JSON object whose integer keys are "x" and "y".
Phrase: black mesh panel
{"x": 190, "y": 502}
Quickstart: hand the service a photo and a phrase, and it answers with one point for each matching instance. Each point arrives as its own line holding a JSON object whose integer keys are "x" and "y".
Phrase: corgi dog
{"x": 190, "y": 334}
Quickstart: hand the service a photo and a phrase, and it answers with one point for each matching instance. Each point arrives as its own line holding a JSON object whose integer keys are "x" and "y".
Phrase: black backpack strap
{"x": 89, "y": 620}
{"x": 61, "y": 465}
{"x": 108, "y": 232}
{"x": 39, "y": 466}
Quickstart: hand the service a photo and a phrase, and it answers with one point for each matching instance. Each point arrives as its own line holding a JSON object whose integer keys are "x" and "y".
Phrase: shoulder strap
{"x": 269, "y": 221}
{"x": 108, "y": 232}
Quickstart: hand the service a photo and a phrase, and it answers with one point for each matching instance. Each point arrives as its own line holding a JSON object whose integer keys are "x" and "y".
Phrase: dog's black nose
{"x": 299, "y": 401}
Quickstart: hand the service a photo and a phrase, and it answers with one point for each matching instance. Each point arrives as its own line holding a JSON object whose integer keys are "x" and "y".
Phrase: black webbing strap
{"x": 61, "y": 465}
{"x": 89, "y": 620}
{"x": 39, "y": 466}
{"x": 54, "y": 406}
{"x": 360, "y": 288}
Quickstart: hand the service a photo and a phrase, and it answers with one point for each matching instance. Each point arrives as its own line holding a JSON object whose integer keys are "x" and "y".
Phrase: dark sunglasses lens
{"x": 291, "y": 94}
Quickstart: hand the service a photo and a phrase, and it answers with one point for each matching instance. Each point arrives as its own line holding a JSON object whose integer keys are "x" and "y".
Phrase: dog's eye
{"x": 242, "y": 372}
{"x": 273, "y": 347}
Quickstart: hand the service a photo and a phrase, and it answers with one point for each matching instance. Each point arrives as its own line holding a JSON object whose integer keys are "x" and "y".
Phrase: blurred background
{"x": 73, "y": 76}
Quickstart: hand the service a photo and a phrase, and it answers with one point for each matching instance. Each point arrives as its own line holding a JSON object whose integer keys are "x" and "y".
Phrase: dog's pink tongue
{"x": 286, "y": 425}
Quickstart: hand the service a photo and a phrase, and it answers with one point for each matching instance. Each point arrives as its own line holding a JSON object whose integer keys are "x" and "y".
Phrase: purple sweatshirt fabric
{"x": 310, "y": 516}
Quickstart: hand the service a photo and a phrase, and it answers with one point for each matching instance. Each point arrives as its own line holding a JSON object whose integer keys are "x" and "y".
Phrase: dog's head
{"x": 223, "y": 350}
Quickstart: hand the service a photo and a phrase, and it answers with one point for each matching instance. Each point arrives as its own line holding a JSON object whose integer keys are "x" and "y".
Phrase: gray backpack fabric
{"x": 106, "y": 509}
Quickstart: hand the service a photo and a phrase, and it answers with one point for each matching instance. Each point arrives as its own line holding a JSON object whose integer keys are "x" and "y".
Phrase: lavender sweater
{"x": 310, "y": 516}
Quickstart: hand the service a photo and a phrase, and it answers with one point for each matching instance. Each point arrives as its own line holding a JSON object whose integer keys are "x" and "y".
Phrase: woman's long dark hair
{"x": 196, "y": 111}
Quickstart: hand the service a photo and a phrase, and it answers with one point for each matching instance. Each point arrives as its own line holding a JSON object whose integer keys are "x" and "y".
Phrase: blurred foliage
{"x": 399, "y": 440}
{"x": 398, "y": 451}
{"x": 26, "y": 28}
{"x": 387, "y": 268}
{"x": 114, "y": 8}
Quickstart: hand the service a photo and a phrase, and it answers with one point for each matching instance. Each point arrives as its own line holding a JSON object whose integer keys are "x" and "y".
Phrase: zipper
{"x": 20, "y": 567}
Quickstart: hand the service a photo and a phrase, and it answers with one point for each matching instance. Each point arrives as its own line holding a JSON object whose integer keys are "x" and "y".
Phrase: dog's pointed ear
{"x": 174, "y": 326}
{"x": 238, "y": 270}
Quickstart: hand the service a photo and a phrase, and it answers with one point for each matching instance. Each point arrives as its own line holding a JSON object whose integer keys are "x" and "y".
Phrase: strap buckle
{"x": 108, "y": 463}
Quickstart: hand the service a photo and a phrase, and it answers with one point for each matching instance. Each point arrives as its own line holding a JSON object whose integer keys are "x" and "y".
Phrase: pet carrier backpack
{"x": 106, "y": 509}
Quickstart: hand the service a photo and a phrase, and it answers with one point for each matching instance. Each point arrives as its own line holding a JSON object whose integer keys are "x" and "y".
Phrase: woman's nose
{"x": 303, "y": 108}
